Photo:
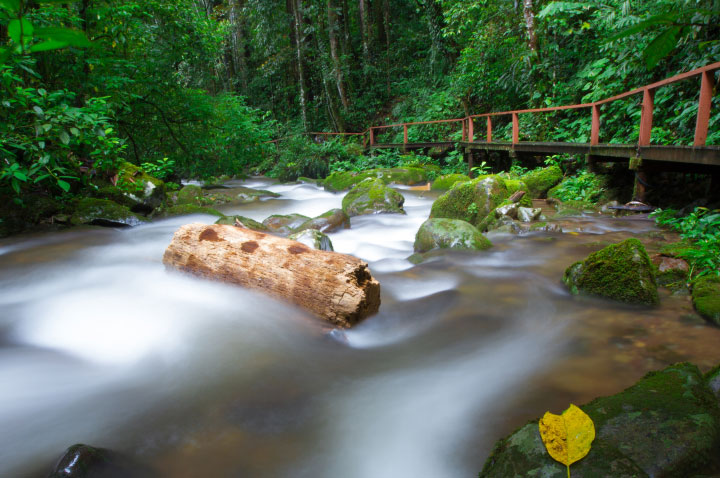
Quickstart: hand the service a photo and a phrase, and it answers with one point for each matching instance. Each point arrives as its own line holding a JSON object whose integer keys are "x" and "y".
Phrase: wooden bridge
{"x": 641, "y": 156}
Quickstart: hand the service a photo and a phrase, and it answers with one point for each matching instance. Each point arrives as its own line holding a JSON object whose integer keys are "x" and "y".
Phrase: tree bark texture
{"x": 530, "y": 25}
{"x": 337, "y": 66}
{"x": 296, "y": 10}
{"x": 336, "y": 287}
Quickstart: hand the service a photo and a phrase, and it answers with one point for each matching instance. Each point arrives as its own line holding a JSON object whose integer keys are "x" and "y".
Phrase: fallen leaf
{"x": 567, "y": 437}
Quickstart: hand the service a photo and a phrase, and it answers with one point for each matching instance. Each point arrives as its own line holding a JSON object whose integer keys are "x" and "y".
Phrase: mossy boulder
{"x": 330, "y": 221}
{"x": 471, "y": 201}
{"x": 185, "y": 209}
{"x": 539, "y": 181}
{"x": 665, "y": 426}
{"x": 313, "y": 238}
{"x": 372, "y": 196}
{"x": 244, "y": 221}
{"x": 103, "y": 212}
{"x": 190, "y": 194}
{"x": 284, "y": 224}
{"x": 449, "y": 234}
{"x": 142, "y": 187}
{"x": 341, "y": 181}
{"x": 443, "y": 183}
{"x": 515, "y": 185}
{"x": 621, "y": 272}
{"x": 706, "y": 298}
{"x": 236, "y": 195}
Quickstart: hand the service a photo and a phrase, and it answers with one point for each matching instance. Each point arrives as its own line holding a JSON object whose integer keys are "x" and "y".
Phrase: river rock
{"x": 442, "y": 233}
{"x": 190, "y": 194}
{"x": 148, "y": 190}
{"x": 528, "y": 214}
{"x": 83, "y": 461}
{"x": 539, "y": 181}
{"x": 103, "y": 212}
{"x": 509, "y": 210}
{"x": 372, "y": 196}
{"x": 664, "y": 426}
{"x": 242, "y": 221}
{"x": 506, "y": 225}
{"x": 621, "y": 272}
{"x": 284, "y": 224}
{"x": 313, "y": 238}
{"x": 330, "y": 221}
{"x": 187, "y": 209}
{"x": 343, "y": 180}
{"x": 706, "y": 298}
{"x": 236, "y": 195}
{"x": 471, "y": 201}
{"x": 443, "y": 183}
{"x": 545, "y": 227}
{"x": 671, "y": 272}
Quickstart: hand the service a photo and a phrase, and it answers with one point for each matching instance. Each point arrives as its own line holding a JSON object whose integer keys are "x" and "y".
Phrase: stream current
{"x": 100, "y": 344}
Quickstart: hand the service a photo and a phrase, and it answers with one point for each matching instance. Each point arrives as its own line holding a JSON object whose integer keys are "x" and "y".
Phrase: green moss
{"x": 443, "y": 183}
{"x": 340, "y": 181}
{"x": 541, "y": 180}
{"x": 515, "y": 185}
{"x": 372, "y": 196}
{"x": 621, "y": 272}
{"x": 245, "y": 221}
{"x": 664, "y": 426}
{"x": 184, "y": 209}
{"x": 706, "y": 298}
{"x": 190, "y": 194}
{"x": 449, "y": 234}
{"x": 486, "y": 192}
{"x": 103, "y": 212}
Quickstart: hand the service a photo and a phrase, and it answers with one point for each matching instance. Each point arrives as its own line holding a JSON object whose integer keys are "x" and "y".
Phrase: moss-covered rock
{"x": 341, "y": 181}
{"x": 670, "y": 272}
{"x": 185, "y": 209}
{"x": 242, "y": 220}
{"x": 712, "y": 380}
{"x": 574, "y": 208}
{"x": 471, "y": 201}
{"x": 372, "y": 196}
{"x": 330, "y": 221}
{"x": 665, "y": 426}
{"x": 284, "y": 224}
{"x": 190, "y": 194}
{"x": 141, "y": 187}
{"x": 706, "y": 298}
{"x": 443, "y": 183}
{"x": 515, "y": 185}
{"x": 541, "y": 180}
{"x": 449, "y": 234}
{"x": 313, "y": 238}
{"x": 103, "y": 212}
{"x": 621, "y": 272}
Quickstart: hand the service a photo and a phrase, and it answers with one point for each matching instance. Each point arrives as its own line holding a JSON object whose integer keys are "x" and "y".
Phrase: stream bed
{"x": 100, "y": 344}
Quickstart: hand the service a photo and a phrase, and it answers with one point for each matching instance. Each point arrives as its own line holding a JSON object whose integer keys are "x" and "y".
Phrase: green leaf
{"x": 20, "y": 30}
{"x": 38, "y": 110}
{"x": 75, "y": 131}
{"x": 64, "y": 185}
{"x": 661, "y": 46}
{"x": 4, "y": 55}
{"x": 11, "y": 6}
{"x": 48, "y": 45}
{"x": 65, "y": 35}
{"x": 64, "y": 137}
{"x": 664, "y": 18}
{"x": 20, "y": 176}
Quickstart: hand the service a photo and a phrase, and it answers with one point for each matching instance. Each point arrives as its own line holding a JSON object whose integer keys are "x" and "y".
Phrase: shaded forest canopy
{"x": 197, "y": 87}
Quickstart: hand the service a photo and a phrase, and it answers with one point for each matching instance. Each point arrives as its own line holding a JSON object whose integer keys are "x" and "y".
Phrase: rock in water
{"x": 372, "y": 196}
{"x": 472, "y": 200}
{"x": 83, "y": 461}
{"x": 665, "y": 426}
{"x": 449, "y": 234}
{"x": 706, "y": 298}
{"x": 336, "y": 287}
{"x": 313, "y": 238}
{"x": 284, "y": 224}
{"x": 103, "y": 212}
{"x": 330, "y": 221}
{"x": 621, "y": 272}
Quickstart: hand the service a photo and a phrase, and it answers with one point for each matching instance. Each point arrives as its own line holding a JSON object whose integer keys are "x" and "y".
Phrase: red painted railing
{"x": 467, "y": 124}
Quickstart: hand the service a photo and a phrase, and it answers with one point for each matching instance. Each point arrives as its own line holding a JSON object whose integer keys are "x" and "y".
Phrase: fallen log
{"x": 336, "y": 287}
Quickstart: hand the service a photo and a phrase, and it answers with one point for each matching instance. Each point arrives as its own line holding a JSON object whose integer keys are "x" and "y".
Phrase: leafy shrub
{"x": 583, "y": 187}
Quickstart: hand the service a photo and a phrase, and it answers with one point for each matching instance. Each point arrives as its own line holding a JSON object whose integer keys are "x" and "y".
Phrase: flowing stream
{"x": 100, "y": 344}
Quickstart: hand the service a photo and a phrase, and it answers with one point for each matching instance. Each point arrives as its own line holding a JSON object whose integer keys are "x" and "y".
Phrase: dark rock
{"x": 665, "y": 426}
{"x": 330, "y": 221}
{"x": 621, "y": 272}
{"x": 242, "y": 221}
{"x": 313, "y": 238}
{"x": 103, "y": 212}
{"x": 284, "y": 224}
{"x": 443, "y": 233}
{"x": 372, "y": 196}
{"x": 83, "y": 461}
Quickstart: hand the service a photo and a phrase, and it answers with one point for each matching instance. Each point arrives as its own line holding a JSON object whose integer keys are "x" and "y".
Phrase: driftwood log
{"x": 336, "y": 287}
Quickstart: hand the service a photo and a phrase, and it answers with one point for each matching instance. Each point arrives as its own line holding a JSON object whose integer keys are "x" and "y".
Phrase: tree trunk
{"x": 296, "y": 6}
{"x": 336, "y": 287}
{"x": 364, "y": 31}
{"x": 530, "y": 25}
{"x": 237, "y": 42}
{"x": 337, "y": 67}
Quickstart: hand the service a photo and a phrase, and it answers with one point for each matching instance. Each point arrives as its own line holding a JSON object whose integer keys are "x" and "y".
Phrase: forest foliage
{"x": 202, "y": 86}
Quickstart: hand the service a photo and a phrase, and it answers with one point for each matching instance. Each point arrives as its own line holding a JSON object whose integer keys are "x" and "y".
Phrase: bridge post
{"x": 516, "y": 129}
{"x": 469, "y": 157}
{"x": 471, "y": 133}
{"x": 372, "y": 137}
{"x": 704, "y": 105}
{"x": 489, "y": 130}
{"x": 646, "y": 117}
{"x": 595, "y": 128}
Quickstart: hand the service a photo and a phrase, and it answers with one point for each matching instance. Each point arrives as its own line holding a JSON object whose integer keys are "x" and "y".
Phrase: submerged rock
{"x": 242, "y": 221}
{"x": 103, "y": 212}
{"x": 621, "y": 272}
{"x": 330, "y": 221}
{"x": 706, "y": 298}
{"x": 539, "y": 181}
{"x": 449, "y": 234}
{"x": 313, "y": 238}
{"x": 372, "y": 196}
{"x": 284, "y": 224}
{"x": 665, "y": 426}
{"x": 83, "y": 461}
{"x": 471, "y": 201}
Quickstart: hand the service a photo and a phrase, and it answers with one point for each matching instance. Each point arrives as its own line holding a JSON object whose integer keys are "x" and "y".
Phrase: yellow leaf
{"x": 567, "y": 437}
